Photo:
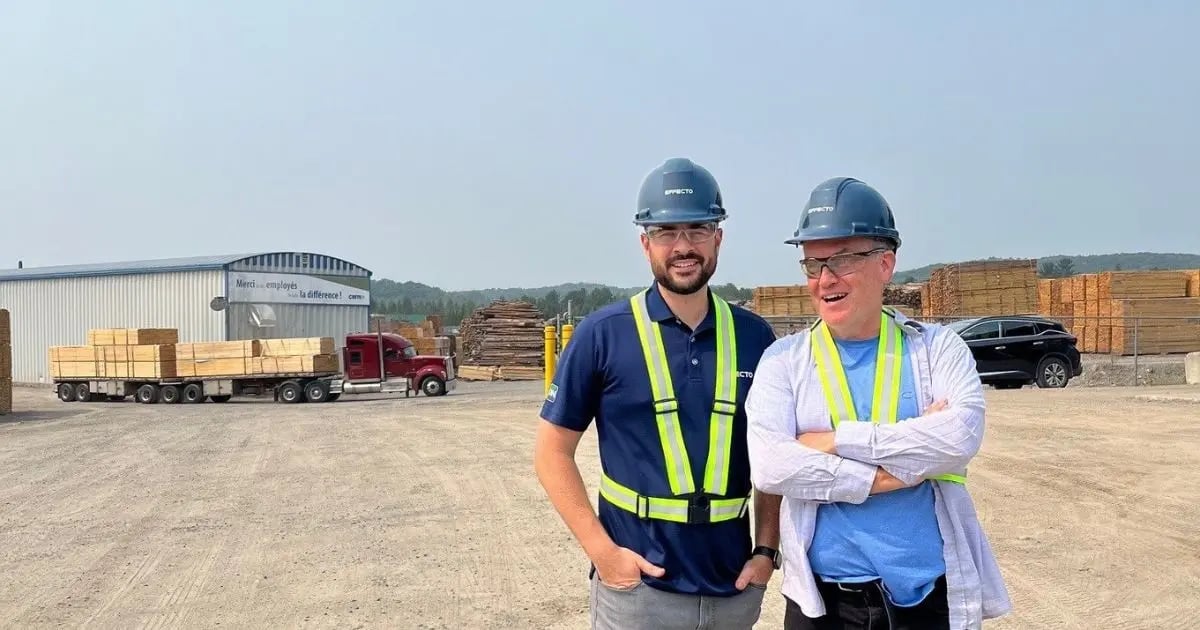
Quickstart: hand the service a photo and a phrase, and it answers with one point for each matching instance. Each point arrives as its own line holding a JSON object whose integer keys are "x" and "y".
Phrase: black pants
{"x": 866, "y": 607}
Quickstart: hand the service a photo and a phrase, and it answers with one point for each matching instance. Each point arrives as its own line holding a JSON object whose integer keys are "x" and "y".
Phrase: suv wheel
{"x": 1052, "y": 372}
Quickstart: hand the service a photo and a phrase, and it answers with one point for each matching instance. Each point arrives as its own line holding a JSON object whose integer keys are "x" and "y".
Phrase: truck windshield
{"x": 410, "y": 352}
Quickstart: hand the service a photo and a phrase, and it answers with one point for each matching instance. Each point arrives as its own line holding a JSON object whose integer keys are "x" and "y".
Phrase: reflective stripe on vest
{"x": 888, "y": 372}
{"x": 670, "y": 433}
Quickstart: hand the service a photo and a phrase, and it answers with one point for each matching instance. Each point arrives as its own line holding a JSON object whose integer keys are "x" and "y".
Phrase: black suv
{"x": 1016, "y": 350}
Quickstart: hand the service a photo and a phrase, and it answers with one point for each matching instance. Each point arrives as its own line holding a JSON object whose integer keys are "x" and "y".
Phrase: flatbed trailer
{"x": 284, "y": 387}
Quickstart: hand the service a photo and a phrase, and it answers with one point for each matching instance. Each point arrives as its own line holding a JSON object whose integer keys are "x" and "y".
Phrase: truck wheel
{"x": 316, "y": 391}
{"x": 82, "y": 393}
{"x": 290, "y": 392}
{"x": 147, "y": 394}
{"x": 193, "y": 393}
{"x": 66, "y": 392}
{"x": 433, "y": 386}
{"x": 222, "y": 398}
{"x": 169, "y": 394}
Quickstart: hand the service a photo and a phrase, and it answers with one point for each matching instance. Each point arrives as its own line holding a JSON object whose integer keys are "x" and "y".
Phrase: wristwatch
{"x": 773, "y": 554}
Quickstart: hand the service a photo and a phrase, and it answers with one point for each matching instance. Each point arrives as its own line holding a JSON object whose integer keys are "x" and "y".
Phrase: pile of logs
{"x": 501, "y": 338}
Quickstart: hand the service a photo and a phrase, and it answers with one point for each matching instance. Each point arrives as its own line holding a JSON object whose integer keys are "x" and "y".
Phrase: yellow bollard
{"x": 567, "y": 330}
{"x": 551, "y": 355}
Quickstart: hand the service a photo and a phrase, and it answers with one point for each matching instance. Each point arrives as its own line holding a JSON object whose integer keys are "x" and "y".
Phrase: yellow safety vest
{"x": 686, "y": 505}
{"x": 888, "y": 370}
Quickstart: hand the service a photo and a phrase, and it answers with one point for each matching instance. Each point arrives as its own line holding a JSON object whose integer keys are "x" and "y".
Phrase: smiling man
{"x": 865, "y": 423}
{"x": 664, "y": 375}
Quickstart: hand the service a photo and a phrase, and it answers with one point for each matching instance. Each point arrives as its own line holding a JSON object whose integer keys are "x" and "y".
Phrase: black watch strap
{"x": 773, "y": 554}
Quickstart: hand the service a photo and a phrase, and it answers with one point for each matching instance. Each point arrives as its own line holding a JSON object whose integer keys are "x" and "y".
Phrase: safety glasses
{"x": 693, "y": 233}
{"x": 840, "y": 264}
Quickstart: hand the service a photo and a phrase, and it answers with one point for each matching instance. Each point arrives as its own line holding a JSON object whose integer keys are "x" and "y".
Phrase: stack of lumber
{"x": 155, "y": 354}
{"x": 256, "y": 357}
{"x": 1055, "y": 300}
{"x": 118, "y": 353}
{"x": 1107, "y": 307}
{"x": 508, "y": 335}
{"x": 426, "y": 337}
{"x": 904, "y": 297}
{"x": 782, "y": 301}
{"x": 5, "y": 362}
{"x": 993, "y": 287}
{"x": 1193, "y": 287}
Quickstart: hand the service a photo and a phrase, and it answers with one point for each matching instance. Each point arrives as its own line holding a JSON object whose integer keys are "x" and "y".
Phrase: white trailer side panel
{"x": 59, "y": 311}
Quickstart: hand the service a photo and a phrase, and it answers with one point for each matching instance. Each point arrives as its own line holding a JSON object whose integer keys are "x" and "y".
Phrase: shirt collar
{"x": 658, "y": 310}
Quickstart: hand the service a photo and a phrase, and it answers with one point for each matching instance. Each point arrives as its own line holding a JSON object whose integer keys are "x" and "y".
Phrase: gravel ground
{"x": 425, "y": 513}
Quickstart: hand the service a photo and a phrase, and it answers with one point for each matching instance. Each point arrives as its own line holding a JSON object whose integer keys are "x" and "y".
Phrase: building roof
{"x": 267, "y": 261}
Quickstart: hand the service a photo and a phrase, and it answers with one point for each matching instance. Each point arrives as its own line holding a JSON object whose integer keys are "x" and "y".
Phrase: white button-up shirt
{"x": 786, "y": 399}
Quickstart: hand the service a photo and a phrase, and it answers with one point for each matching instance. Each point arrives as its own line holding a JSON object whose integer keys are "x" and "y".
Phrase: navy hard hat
{"x": 679, "y": 191}
{"x": 844, "y": 207}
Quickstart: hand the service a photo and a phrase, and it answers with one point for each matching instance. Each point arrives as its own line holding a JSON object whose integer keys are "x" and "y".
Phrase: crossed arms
{"x": 861, "y": 458}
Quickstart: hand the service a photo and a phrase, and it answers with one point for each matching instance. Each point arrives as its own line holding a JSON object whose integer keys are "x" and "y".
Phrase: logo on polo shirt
{"x": 553, "y": 393}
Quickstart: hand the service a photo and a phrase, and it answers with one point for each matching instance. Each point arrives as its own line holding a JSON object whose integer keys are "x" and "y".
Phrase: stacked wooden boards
{"x": 426, "y": 337}
{"x": 992, "y": 287}
{"x": 156, "y": 354}
{"x": 1107, "y": 310}
{"x": 503, "y": 340}
{"x": 6, "y": 398}
{"x": 782, "y": 300}
{"x": 795, "y": 300}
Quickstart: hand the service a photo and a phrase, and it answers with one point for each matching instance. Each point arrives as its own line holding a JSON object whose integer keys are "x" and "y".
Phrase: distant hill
{"x": 1092, "y": 263}
{"x": 414, "y": 300}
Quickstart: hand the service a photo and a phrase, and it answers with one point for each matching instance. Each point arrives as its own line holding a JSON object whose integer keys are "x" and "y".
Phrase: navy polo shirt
{"x": 601, "y": 376}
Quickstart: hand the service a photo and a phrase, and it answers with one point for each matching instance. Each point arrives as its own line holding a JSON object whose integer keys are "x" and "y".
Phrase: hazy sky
{"x": 472, "y": 145}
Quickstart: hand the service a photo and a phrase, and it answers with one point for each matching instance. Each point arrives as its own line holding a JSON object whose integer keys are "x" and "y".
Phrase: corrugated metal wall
{"x": 58, "y": 312}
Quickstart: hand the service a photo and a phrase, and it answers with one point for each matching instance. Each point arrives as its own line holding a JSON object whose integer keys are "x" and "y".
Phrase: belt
{"x": 697, "y": 508}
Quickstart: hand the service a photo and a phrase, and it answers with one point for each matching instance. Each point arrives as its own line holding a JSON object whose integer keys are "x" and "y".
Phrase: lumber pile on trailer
{"x": 6, "y": 398}
{"x": 506, "y": 335}
{"x": 155, "y": 354}
{"x": 426, "y": 337}
{"x": 993, "y": 287}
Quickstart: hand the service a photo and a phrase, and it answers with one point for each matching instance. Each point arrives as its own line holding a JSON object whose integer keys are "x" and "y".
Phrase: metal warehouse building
{"x": 213, "y": 298}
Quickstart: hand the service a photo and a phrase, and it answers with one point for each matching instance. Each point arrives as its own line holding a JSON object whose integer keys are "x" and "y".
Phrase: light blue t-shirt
{"x": 892, "y": 535}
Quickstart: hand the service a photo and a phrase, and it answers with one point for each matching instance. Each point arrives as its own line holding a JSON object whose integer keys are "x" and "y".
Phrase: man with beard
{"x": 664, "y": 376}
{"x": 865, "y": 423}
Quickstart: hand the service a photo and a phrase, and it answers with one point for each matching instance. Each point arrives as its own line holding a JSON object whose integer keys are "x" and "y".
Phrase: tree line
{"x": 580, "y": 302}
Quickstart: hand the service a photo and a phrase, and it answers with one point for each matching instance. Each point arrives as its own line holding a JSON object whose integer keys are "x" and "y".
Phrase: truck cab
{"x": 429, "y": 374}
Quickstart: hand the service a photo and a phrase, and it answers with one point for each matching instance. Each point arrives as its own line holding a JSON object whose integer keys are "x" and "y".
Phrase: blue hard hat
{"x": 844, "y": 207}
{"x": 679, "y": 191}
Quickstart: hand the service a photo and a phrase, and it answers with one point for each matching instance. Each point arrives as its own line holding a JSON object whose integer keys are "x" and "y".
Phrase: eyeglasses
{"x": 694, "y": 234}
{"x": 839, "y": 264}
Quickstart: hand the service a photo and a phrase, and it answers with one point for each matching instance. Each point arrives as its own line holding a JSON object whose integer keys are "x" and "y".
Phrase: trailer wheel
{"x": 82, "y": 393}
{"x": 193, "y": 393}
{"x": 221, "y": 398}
{"x": 147, "y": 394}
{"x": 290, "y": 392}
{"x": 316, "y": 391}
{"x": 66, "y": 392}
{"x": 169, "y": 394}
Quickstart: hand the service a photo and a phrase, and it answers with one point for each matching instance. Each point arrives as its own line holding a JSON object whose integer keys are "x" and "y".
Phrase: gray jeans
{"x": 646, "y": 607}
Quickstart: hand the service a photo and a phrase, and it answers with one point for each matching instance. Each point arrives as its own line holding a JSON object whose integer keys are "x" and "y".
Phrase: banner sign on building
{"x": 292, "y": 288}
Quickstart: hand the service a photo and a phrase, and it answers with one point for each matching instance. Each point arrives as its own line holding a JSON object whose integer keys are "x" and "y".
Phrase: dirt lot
{"x": 424, "y": 513}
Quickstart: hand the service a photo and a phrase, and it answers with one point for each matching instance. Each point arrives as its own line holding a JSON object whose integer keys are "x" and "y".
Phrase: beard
{"x": 662, "y": 273}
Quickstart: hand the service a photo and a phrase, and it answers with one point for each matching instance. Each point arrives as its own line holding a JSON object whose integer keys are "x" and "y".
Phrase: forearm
{"x": 784, "y": 467}
{"x": 766, "y": 519}
{"x": 560, "y": 478}
{"x": 941, "y": 442}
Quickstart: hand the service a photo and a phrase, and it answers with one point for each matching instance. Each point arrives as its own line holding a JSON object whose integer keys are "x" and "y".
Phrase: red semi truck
{"x": 373, "y": 363}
